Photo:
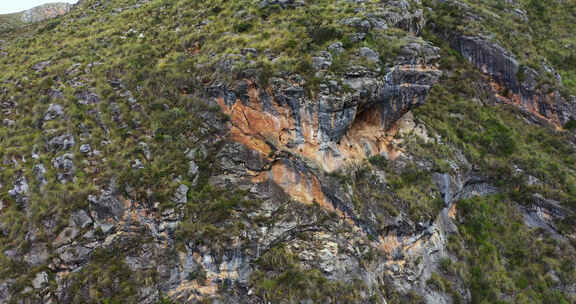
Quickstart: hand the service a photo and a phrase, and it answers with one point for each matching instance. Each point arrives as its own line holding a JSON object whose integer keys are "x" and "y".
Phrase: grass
{"x": 502, "y": 253}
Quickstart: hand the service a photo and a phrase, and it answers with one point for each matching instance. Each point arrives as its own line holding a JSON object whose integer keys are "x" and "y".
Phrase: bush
{"x": 322, "y": 34}
{"x": 379, "y": 161}
{"x": 570, "y": 125}
{"x": 497, "y": 138}
{"x": 243, "y": 27}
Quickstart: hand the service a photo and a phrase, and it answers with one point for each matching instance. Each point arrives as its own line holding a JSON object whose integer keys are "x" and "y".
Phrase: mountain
{"x": 36, "y": 14}
{"x": 45, "y": 11}
{"x": 293, "y": 151}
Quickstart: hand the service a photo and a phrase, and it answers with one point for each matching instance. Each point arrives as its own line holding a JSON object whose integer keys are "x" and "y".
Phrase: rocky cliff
{"x": 45, "y": 11}
{"x": 36, "y": 14}
{"x": 176, "y": 151}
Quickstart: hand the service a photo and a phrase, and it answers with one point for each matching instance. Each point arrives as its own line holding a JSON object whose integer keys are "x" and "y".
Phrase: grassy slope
{"x": 497, "y": 140}
{"x": 10, "y": 21}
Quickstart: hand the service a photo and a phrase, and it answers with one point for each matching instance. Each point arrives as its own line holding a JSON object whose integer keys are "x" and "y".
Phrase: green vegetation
{"x": 415, "y": 188}
{"x": 108, "y": 279}
{"x": 9, "y": 22}
{"x": 504, "y": 260}
{"x": 496, "y": 138}
{"x": 498, "y": 257}
{"x": 214, "y": 217}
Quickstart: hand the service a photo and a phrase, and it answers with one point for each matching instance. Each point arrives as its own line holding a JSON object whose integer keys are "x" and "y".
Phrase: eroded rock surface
{"x": 515, "y": 83}
{"x": 44, "y": 12}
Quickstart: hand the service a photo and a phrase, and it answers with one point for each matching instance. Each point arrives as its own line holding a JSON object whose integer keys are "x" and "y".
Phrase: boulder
{"x": 54, "y": 111}
{"x": 61, "y": 143}
{"x": 64, "y": 165}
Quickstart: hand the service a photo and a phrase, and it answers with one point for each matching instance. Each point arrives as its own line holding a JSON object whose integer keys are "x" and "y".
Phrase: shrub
{"x": 321, "y": 34}
{"x": 379, "y": 161}
{"x": 570, "y": 125}
{"x": 243, "y": 27}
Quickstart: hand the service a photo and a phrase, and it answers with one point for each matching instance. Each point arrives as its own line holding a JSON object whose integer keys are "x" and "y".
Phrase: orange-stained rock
{"x": 257, "y": 129}
{"x": 503, "y": 70}
{"x": 302, "y": 136}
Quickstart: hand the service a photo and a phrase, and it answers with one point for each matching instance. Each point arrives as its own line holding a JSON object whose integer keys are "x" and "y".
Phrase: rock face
{"x": 514, "y": 83}
{"x": 334, "y": 128}
{"x": 46, "y": 11}
{"x": 290, "y": 133}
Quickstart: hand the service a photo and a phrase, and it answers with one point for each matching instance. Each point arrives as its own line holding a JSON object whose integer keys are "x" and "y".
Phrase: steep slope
{"x": 182, "y": 151}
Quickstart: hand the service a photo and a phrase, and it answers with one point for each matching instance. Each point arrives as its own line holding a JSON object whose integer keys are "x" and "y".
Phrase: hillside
{"x": 293, "y": 151}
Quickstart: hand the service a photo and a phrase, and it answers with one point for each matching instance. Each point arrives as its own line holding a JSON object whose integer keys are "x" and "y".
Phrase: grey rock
{"x": 169, "y": 226}
{"x": 116, "y": 114}
{"x": 80, "y": 219}
{"x": 39, "y": 172}
{"x": 336, "y": 48}
{"x": 491, "y": 58}
{"x": 196, "y": 153}
{"x": 85, "y": 148}
{"x": 46, "y": 11}
{"x": 136, "y": 164}
{"x": 65, "y": 236}
{"x": 64, "y": 165}
{"x": 477, "y": 189}
{"x": 357, "y": 37}
{"x": 403, "y": 17}
{"x": 87, "y": 97}
{"x": 20, "y": 190}
{"x": 503, "y": 67}
{"x": 73, "y": 255}
{"x": 54, "y": 111}
{"x": 547, "y": 208}
{"x": 107, "y": 205}
{"x": 40, "y": 280}
{"x": 61, "y": 143}
{"x": 370, "y": 55}
{"x": 5, "y": 293}
{"x": 193, "y": 169}
{"x": 403, "y": 88}
{"x": 40, "y": 66}
{"x": 38, "y": 255}
{"x": 543, "y": 213}
{"x": 169, "y": 215}
{"x": 145, "y": 149}
{"x": 361, "y": 25}
{"x": 11, "y": 254}
{"x": 8, "y": 123}
{"x": 136, "y": 263}
{"x": 181, "y": 194}
{"x": 323, "y": 61}
{"x": 447, "y": 187}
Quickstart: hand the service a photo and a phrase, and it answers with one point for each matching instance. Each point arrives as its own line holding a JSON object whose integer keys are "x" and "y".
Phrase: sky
{"x": 13, "y": 6}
